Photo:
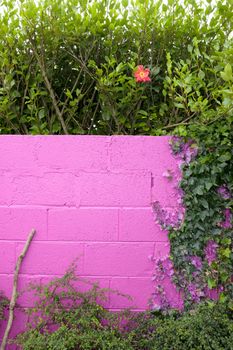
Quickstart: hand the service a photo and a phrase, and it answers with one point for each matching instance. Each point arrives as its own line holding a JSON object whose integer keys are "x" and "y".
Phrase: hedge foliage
{"x": 67, "y": 65}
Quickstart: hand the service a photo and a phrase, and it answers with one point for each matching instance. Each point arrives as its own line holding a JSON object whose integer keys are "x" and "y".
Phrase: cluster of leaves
{"x": 205, "y": 328}
{"x": 66, "y": 318}
{"x": 67, "y": 65}
{"x": 201, "y": 248}
{"x": 3, "y": 305}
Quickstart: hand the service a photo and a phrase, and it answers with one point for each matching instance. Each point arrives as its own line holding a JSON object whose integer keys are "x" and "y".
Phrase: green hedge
{"x": 67, "y": 65}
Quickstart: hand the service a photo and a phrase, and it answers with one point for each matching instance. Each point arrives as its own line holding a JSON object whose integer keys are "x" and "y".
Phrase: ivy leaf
{"x": 208, "y": 185}
{"x": 198, "y": 190}
{"x": 211, "y": 283}
{"x": 204, "y": 203}
{"x": 226, "y": 252}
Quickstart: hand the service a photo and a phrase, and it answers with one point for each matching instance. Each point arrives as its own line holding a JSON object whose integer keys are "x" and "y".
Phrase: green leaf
{"x": 227, "y": 74}
{"x": 41, "y": 113}
{"x": 208, "y": 185}
{"x": 142, "y": 112}
{"x": 226, "y": 252}
{"x": 211, "y": 283}
{"x": 179, "y": 105}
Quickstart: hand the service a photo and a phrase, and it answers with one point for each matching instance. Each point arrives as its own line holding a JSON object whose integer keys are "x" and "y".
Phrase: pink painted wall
{"x": 88, "y": 197}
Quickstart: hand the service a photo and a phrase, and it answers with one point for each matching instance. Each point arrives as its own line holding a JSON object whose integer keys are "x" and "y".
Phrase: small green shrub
{"x": 208, "y": 327}
{"x": 66, "y": 319}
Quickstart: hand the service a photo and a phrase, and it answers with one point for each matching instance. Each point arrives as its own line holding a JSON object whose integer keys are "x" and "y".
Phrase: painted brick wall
{"x": 88, "y": 197}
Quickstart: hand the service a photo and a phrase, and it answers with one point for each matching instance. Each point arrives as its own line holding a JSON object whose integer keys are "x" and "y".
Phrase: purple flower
{"x": 193, "y": 292}
{"x": 224, "y": 192}
{"x": 211, "y": 251}
{"x": 187, "y": 151}
{"x": 227, "y": 222}
{"x": 165, "y": 218}
{"x": 168, "y": 174}
{"x": 196, "y": 262}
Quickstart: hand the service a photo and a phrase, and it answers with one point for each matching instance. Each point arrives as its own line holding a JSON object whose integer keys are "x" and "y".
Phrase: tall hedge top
{"x": 68, "y": 66}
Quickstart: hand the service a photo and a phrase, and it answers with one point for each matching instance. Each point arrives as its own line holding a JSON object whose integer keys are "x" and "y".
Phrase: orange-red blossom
{"x": 142, "y": 74}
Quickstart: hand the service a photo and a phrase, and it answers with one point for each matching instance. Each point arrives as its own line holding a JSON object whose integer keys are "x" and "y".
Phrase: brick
{"x": 161, "y": 249}
{"x": 49, "y": 189}
{"x": 139, "y": 289}
{"x": 18, "y": 326}
{"x": 51, "y": 258}
{"x": 165, "y": 192}
{"x": 139, "y": 225}
{"x": 17, "y": 152}
{"x": 118, "y": 259}
{"x": 85, "y": 224}
{"x": 7, "y": 257}
{"x": 16, "y": 223}
{"x": 172, "y": 294}
{"x": 6, "y": 188}
{"x": 141, "y": 153}
{"x": 112, "y": 189}
{"x": 74, "y": 152}
{"x": 6, "y": 284}
{"x": 26, "y": 297}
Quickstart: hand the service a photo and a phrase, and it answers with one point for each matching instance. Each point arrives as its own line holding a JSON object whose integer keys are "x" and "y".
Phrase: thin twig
{"x": 14, "y": 290}
{"x": 40, "y": 60}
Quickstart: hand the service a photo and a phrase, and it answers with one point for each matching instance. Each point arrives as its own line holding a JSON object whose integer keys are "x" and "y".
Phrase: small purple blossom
{"x": 165, "y": 218}
{"x": 168, "y": 174}
{"x": 224, "y": 192}
{"x": 186, "y": 150}
{"x": 195, "y": 293}
{"x": 211, "y": 251}
{"x": 196, "y": 262}
{"x": 227, "y": 222}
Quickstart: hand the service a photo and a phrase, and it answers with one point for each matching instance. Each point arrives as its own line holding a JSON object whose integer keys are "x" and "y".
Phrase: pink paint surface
{"x": 87, "y": 197}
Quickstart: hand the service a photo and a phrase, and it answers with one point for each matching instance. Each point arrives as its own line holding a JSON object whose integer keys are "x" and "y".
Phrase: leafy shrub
{"x": 66, "y": 319}
{"x": 205, "y": 328}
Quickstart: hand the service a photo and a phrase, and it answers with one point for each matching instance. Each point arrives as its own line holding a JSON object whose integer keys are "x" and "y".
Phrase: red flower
{"x": 142, "y": 74}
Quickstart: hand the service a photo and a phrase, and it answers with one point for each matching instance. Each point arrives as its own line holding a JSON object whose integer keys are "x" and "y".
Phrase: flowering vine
{"x": 200, "y": 231}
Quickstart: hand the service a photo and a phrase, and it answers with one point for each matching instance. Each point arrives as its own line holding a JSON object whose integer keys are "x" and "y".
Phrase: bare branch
{"x": 14, "y": 290}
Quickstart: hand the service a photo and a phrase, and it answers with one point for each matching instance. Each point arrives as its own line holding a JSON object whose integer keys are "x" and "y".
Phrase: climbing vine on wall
{"x": 201, "y": 243}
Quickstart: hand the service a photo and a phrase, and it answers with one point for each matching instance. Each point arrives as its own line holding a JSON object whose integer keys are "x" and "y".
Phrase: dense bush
{"x": 205, "y": 328}
{"x": 67, "y": 65}
{"x": 65, "y": 318}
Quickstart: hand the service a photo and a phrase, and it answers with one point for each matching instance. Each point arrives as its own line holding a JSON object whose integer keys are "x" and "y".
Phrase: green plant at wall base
{"x": 66, "y": 318}
{"x": 206, "y": 328}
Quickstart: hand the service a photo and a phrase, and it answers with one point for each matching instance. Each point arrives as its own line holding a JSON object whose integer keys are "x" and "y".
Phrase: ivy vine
{"x": 201, "y": 241}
